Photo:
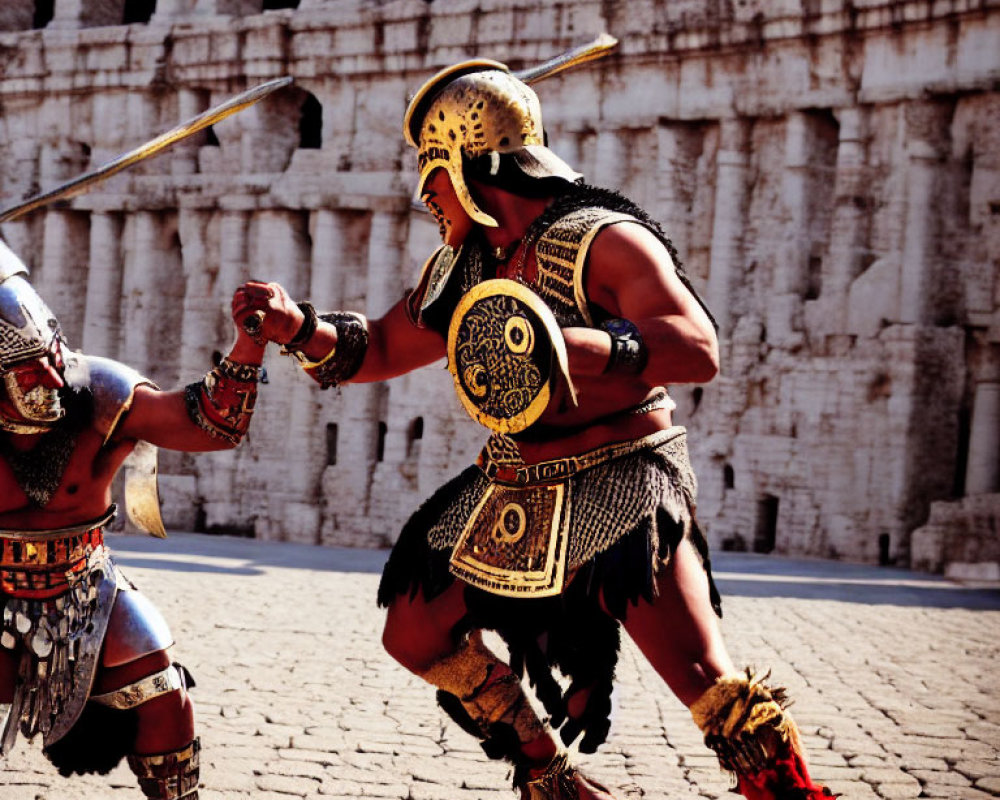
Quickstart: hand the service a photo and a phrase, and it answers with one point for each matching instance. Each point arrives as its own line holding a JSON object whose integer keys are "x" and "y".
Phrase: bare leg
{"x": 679, "y": 633}
{"x": 418, "y": 634}
{"x": 743, "y": 720}
{"x": 165, "y": 754}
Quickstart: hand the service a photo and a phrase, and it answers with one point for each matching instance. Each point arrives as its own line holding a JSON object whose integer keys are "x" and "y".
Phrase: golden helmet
{"x": 478, "y": 108}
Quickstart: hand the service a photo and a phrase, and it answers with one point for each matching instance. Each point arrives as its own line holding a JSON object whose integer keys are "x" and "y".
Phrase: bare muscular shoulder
{"x": 630, "y": 274}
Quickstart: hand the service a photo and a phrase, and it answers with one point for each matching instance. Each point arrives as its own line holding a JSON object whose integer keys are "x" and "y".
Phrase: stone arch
{"x": 280, "y": 124}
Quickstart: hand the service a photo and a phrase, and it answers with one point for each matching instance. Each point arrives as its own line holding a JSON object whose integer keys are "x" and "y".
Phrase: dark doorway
{"x": 765, "y": 534}
{"x": 44, "y": 11}
{"x": 331, "y": 444}
{"x": 311, "y": 124}
{"x": 383, "y": 429}
{"x": 138, "y": 11}
{"x": 884, "y": 559}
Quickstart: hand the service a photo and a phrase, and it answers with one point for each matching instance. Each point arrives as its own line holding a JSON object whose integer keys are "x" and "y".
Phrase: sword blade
{"x": 599, "y": 47}
{"x": 80, "y": 184}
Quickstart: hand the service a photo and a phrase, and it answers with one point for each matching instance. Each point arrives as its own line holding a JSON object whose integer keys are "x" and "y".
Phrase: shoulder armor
{"x": 433, "y": 278}
{"x": 112, "y": 385}
{"x": 561, "y": 253}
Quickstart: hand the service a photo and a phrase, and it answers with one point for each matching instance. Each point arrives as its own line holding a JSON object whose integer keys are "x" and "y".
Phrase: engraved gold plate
{"x": 515, "y": 541}
{"x": 505, "y": 352}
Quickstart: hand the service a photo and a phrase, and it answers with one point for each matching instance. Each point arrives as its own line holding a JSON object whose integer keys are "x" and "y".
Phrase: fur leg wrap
{"x": 755, "y": 738}
{"x": 490, "y": 696}
{"x": 169, "y": 776}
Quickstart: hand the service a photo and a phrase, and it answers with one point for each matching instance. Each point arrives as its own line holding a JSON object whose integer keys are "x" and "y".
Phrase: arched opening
{"x": 765, "y": 533}
{"x": 414, "y": 435}
{"x": 383, "y": 429}
{"x": 331, "y": 443}
{"x": 311, "y": 124}
{"x": 274, "y": 5}
{"x": 884, "y": 558}
{"x": 814, "y": 278}
{"x": 728, "y": 477}
{"x": 138, "y": 11}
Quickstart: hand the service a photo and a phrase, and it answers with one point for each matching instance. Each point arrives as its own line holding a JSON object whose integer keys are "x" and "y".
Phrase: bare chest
{"x": 59, "y": 478}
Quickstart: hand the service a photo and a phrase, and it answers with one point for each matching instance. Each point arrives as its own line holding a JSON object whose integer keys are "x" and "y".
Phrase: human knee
{"x": 136, "y": 629}
{"x": 406, "y": 646}
{"x": 412, "y": 638}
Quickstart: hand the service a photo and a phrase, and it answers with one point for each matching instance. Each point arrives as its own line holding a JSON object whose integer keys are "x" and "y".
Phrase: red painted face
{"x": 453, "y": 220}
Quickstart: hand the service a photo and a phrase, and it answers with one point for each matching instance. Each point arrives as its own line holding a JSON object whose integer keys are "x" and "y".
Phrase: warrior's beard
{"x": 444, "y": 224}
{"x": 40, "y": 404}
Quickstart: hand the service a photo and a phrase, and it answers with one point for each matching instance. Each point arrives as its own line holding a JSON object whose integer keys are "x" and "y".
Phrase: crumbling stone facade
{"x": 829, "y": 170}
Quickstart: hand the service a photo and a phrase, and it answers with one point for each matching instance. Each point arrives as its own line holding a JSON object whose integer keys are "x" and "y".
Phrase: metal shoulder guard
{"x": 112, "y": 386}
{"x": 433, "y": 277}
{"x": 505, "y": 352}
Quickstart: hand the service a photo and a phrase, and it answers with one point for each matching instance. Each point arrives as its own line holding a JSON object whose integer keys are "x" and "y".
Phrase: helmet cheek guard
{"x": 28, "y": 330}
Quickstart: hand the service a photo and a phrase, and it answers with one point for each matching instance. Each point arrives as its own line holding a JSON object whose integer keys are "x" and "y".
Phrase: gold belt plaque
{"x": 515, "y": 541}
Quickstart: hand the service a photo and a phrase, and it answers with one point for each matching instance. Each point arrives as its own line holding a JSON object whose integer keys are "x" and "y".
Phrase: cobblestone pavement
{"x": 894, "y": 675}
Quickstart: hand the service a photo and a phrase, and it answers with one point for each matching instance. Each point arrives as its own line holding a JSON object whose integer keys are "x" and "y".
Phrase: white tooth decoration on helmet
{"x": 28, "y": 330}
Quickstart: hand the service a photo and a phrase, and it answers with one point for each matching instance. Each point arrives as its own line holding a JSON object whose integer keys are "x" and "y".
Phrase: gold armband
{"x": 223, "y": 401}
{"x": 344, "y": 360}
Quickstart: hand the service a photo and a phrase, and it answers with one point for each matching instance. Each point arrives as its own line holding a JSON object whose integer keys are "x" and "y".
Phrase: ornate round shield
{"x": 505, "y": 350}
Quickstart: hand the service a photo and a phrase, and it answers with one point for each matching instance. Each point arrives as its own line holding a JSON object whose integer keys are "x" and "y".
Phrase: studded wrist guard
{"x": 628, "y": 350}
{"x": 169, "y": 776}
{"x": 343, "y": 362}
{"x": 223, "y": 401}
{"x": 755, "y": 738}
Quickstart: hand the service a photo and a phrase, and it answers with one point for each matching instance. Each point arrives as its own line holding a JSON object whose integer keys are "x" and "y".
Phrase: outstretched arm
{"x": 363, "y": 350}
{"x": 210, "y": 415}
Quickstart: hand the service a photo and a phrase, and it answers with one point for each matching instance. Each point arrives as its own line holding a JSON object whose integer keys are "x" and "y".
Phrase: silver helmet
{"x": 28, "y": 330}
